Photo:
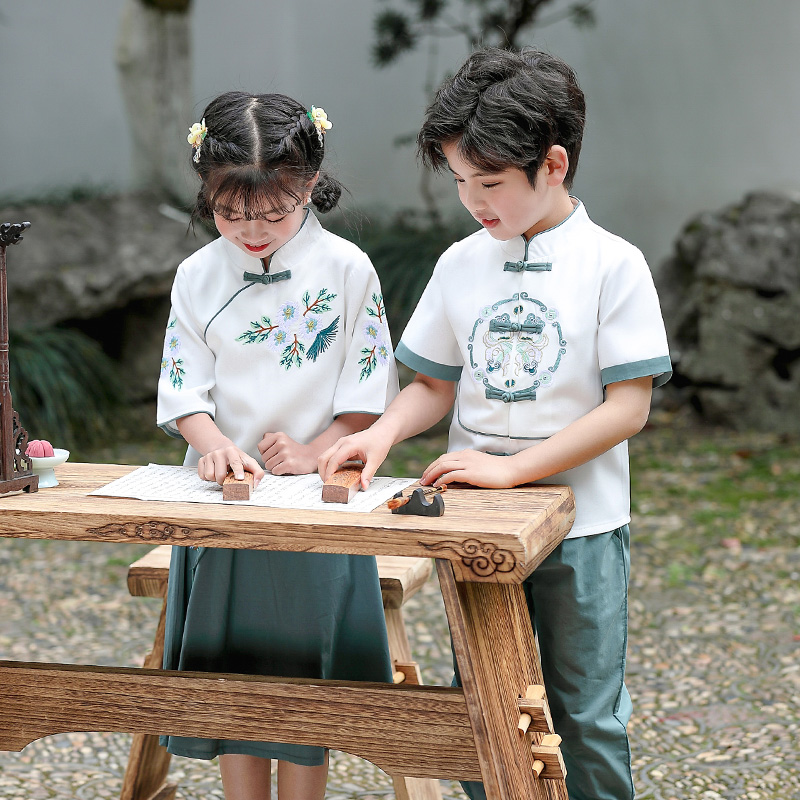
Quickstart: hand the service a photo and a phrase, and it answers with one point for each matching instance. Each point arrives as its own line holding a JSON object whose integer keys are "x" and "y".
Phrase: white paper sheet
{"x": 182, "y": 485}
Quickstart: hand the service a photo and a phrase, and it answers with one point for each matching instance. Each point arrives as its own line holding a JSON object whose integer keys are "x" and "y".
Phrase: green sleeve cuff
{"x": 660, "y": 368}
{"x": 432, "y": 369}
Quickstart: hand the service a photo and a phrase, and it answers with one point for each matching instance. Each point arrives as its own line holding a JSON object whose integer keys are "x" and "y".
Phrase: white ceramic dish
{"x": 44, "y": 467}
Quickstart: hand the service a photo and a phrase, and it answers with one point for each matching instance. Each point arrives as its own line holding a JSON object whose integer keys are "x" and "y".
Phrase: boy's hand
{"x": 213, "y": 466}
{"x": 366, "y": 446}
{"x": 284, "y": 456}
{"x": 473, "y": 467}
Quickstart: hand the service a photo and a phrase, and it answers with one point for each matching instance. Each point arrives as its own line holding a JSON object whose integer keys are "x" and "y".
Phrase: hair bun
{"x": 326, "y": 193}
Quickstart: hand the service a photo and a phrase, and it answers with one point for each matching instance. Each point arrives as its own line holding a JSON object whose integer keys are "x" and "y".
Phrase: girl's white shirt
{"x": 533, "y": 345}
{"x": 286, "y": 356}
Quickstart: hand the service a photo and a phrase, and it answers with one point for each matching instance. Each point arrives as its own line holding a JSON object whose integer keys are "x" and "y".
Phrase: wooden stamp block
{"x": 342, "y": 486}
{"x": 233, "y": 489}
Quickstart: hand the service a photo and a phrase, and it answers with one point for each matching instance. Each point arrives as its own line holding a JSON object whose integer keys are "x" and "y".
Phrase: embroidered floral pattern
{"x": 377, "y": 351}
{"x": 515, "y": 348}
{"x": 172, "y": 366}
{"x": 296, "y": 332}
{"x": 379, "y": 312}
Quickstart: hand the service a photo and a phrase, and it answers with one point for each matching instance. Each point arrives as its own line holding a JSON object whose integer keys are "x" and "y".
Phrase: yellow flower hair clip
{"x": 320, "y": 120}
{"x": 197, "y": 133}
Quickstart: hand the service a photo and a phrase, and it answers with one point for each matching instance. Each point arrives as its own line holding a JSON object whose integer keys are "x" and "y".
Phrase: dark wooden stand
{"x": 485, "y": 545}
{"x": 15, "y": 466}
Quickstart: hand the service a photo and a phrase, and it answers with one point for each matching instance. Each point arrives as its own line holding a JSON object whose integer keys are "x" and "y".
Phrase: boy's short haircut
{"x": 505, "y": 109}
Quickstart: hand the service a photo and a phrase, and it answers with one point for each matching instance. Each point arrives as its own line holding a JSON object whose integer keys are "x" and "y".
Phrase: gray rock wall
{"x": 731, "y": 300}
{"x": 104, "y": 265}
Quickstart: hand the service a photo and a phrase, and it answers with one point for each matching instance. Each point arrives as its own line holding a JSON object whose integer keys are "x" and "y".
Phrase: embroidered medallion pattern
{"x": 515, "y": 348}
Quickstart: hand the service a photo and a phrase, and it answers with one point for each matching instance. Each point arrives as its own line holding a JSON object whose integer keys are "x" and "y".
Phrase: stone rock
{"x": 106, "y": 266}
{"x": 730, "y": 294}
{"x": 81, "y": 259}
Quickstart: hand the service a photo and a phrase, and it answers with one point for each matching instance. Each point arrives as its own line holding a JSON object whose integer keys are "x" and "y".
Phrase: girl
{"x": 276, "y": 346}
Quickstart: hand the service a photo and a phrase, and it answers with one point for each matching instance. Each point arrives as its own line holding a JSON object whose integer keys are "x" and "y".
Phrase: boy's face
{"x": 505, "y": 203}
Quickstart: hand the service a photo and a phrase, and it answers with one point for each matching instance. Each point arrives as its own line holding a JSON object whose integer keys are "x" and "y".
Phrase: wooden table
{"x": 486, "y": 543}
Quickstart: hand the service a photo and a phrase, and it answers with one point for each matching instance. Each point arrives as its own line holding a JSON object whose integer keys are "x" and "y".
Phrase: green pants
{"x": 578, "y": 602}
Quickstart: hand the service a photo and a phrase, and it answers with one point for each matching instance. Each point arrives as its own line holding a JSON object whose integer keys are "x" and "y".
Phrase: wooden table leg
{"x": 497, "y": 660}
{"x": 148, "y": 762}
{"x": 406, "y": 788}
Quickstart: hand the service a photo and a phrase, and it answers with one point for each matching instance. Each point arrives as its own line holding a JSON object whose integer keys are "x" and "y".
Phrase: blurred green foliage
{"x": 404, "y": 252}
{"x": 63, "y": 386}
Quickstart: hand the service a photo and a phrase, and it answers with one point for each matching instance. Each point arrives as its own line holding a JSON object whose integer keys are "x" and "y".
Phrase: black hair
{"x": 503, "y": 109}
{"x": 260, "y": 149}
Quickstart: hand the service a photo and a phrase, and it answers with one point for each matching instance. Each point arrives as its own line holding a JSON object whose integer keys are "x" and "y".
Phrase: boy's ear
{"x": 556, "y": 165}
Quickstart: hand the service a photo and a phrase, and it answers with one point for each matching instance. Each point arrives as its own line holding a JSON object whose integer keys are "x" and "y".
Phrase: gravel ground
{"x": 714, "y": 652}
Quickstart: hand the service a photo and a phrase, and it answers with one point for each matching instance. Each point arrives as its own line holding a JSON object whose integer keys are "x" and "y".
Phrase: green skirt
{"x": 258, "y": 612}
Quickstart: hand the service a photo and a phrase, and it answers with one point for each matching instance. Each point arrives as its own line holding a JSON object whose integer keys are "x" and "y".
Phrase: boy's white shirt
{"x": 242, "y": 384}
{"x": 581, "y": 312}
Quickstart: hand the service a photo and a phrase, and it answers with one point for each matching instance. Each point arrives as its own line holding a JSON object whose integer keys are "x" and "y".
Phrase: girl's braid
{"x": 295, "y": 128}
{"x": 222, "y": 151}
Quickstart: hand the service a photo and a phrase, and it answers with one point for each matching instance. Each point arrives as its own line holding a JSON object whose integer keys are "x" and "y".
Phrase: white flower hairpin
{"x": 320, "y": 120}
{"x": 197, "y": 133}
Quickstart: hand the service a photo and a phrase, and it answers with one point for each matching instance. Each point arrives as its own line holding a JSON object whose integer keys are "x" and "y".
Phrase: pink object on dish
{"x": 39, "y": 448}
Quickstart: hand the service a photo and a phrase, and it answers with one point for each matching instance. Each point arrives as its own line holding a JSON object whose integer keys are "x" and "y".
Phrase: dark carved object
{"x": 481, "y": 558}
{"x": 15, "y": 466}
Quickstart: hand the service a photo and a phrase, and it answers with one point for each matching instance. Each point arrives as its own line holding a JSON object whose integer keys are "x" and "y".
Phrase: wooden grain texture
{"x": 344, "y": 484}
{"x": 551, "y": 758}
{"x": 424, "y": 730}
{"x": 497, "y": 660}
{"x": 404, "y": 576}
{"x": 148, "y": 762}
{"x": 489, "y": 535}
{"x": 537, "y": 711}
{"x": 235, "y": 489}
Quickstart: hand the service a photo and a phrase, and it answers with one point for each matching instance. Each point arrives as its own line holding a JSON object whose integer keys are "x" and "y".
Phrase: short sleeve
{"x": 187, "y": 365}
{"x": 632, "y": 340}
{"x": 429, "y": 343}
{"x": 368, "y": 380}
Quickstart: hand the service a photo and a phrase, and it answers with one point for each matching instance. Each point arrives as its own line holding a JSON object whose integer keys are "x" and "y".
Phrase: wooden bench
{"x": 400, "y": 577}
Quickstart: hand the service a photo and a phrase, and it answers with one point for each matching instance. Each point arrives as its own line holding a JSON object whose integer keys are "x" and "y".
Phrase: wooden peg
{"x": 407, "y": 672}
{"x": 548, "y": 761}
{"x": 235, "y": 489}
{"x": 343, "y": 485}
{"x": 534, "y": 711}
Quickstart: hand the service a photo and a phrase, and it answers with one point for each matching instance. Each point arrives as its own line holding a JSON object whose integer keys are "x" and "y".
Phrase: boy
{"x": 546, "y": 332}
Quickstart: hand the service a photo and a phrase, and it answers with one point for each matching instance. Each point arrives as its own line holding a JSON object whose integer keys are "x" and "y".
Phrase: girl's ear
{"x": 556, "y": 165}
{"x": 310, "y": 188}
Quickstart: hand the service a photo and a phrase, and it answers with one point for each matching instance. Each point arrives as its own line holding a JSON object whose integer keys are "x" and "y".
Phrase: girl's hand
{"x": 367, "y": 446}
{"x": 213, "y": 466}
{"x": 473, "y": 467}
{"x": 284, "y": 456}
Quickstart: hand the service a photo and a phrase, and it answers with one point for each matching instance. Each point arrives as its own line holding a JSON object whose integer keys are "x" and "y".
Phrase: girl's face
{"x": 505, "y": 203}
{"x": 261, "y": 237}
